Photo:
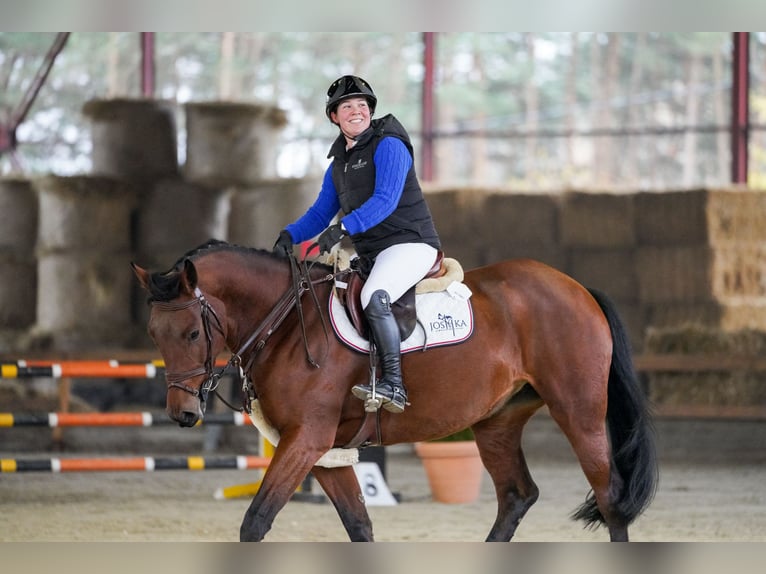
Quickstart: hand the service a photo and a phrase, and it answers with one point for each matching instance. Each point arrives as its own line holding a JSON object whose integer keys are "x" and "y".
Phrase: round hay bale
{"x": 175, "y": 217}
{"x": 231, "y": 143}
{"x": 84, "y": 213}
{"x": 18, "y": 291}
{"x": 18, "y": 216}
{"x": 260, "y": 212}
{"x": 18, "y": 266}
{"x": 133, "y": 138}
{"x": 84, "y": 299}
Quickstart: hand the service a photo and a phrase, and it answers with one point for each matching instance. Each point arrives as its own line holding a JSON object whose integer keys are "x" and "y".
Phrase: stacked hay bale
{"x": 230, "y": 143}
{"x": 700, "y": 270}
{"x": 83, "y": 253}
{"x": 18, "y": 266}
{"x": 522, "y": 226}
{"x": 598, "y": 235}
{"x": 135, "y": 141}
{"x": 233, "y": 146}
{"x": 457, "y": 215}
{"x": 175, "y": 217}
{"x": 709, "y": 391}
{"x": 480, "y": 226}
{"x": 259, "y": 211}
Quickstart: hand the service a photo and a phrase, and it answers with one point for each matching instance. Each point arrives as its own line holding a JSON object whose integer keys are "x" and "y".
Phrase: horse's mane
{"x": 166, "y": 285}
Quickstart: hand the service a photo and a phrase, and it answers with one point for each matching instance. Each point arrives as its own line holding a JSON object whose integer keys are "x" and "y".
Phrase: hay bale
{"x": 521, "y": 219}
{"x": 259, "y": 212}
{"x": 610, "y": 270}
{"x": 499, "y": 249}
{"x": 726, "y": 317}
{"x": 457, "y": 217}
{"x": 18, "y": 266}
{"x": 674, "y": 274}
{"x": 687, "y": 274}
{"x": 84, "y": 213}
{"x": 18, "y": 217}
{"x": 597, "y": 220}
{"x": 457, "y": 212}
{"x": 84, "y": 299}
{"x": 701, "y": 217}
{"x": 230, "y": 143}
{"x": 18, "y": 291}
{"x": 133, "y": 139}
{"x": 726, "y": 388}
{"x": 707, "y": 389}
{"x": 176, "y": 216}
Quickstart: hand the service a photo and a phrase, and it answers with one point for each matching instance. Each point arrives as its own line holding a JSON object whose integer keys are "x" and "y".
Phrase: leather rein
{"x": 301, "y": 283}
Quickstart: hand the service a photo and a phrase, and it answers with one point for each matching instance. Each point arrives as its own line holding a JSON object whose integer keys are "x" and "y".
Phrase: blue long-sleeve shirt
{"x": 392, "y": 163}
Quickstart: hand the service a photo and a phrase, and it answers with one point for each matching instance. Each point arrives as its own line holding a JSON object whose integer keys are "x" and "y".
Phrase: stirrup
{"x": 393, "y": 398}
{"x": 364, "y": 393}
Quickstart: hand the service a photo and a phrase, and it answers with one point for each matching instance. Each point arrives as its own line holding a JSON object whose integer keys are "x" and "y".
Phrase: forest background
{"x": 528, "y": 111}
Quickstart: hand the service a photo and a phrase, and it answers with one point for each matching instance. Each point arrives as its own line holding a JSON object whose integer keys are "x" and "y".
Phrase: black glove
{"x": 330, "y": 237}
{"x": 284, "y": 244}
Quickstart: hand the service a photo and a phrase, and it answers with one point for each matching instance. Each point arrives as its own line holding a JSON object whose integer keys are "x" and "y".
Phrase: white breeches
{"x": 398, "y": 268}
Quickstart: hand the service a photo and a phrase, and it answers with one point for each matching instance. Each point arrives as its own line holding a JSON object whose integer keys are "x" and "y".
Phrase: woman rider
{"x": 372, "y": 181}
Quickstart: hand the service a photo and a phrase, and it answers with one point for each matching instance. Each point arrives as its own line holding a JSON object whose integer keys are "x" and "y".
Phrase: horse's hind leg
{"x": 499, "y": 441}
{"x": 342, "y": 487}
{"x": 587, "y": 435}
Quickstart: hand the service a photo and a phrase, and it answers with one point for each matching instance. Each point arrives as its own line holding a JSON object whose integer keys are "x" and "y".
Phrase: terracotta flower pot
{"x": 454, "y": 470}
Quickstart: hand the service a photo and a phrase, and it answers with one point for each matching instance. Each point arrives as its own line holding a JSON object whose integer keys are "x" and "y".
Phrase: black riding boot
{"x": 385, "y": 333}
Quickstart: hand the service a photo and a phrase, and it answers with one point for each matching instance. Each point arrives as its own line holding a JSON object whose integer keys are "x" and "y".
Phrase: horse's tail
{"x": 630, "y": 429}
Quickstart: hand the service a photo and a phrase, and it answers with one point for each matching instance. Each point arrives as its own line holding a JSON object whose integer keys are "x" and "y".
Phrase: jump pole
{"x": 127, "y": 419}
{"x": 145, "y": 464}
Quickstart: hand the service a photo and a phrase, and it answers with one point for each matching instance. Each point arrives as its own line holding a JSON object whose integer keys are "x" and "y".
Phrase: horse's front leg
{"x": 342, "y": 487}
{"x": 283, "y": 476}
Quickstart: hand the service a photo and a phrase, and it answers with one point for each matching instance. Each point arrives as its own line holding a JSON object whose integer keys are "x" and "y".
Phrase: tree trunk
{"x": 611, "y": 81}
{"x": 689, "y": 154}
{"x": 113, "y": 66}
{"x": 226, "y": 67}
{"x": 531, "y": 105}
{"x": 721, "y": 119}
{"x": 631, "y": 166}
{"x": 571, "y": 99}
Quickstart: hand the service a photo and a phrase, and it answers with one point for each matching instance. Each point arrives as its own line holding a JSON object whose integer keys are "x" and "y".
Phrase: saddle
{"x": 403, "y": 308}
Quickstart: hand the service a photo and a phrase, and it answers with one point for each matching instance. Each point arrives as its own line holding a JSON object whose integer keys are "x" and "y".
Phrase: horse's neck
{"x": 249, "y": 292}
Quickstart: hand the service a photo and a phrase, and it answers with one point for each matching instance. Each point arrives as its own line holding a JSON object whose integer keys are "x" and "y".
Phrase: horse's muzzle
{"x": 186, "y": 417}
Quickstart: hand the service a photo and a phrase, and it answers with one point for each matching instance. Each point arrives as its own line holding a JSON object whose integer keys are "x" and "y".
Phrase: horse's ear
{"x": 189, "y": 276}
{"x": 141, "y": 274}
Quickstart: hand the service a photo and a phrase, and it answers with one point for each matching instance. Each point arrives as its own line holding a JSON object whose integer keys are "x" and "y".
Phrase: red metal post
{"x": 740, "y": 114}
{"x": 427, "y": 173}
{"x": 147, "y": 64}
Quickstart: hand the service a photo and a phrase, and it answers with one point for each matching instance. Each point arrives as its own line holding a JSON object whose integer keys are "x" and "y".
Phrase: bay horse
{"x": 540, "y": 338}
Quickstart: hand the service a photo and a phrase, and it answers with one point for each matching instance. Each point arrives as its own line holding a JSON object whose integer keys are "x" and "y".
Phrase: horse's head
{"x": 189, "y": 330}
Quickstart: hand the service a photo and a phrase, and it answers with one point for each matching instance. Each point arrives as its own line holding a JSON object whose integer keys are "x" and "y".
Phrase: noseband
{"x": 212, "y": 379}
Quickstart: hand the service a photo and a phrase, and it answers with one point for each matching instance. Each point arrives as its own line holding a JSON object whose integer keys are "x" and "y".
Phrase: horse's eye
{"x": 194, "y": 335}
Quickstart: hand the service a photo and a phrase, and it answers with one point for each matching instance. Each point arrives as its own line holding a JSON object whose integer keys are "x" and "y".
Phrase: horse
{"x": 540, "y": 338}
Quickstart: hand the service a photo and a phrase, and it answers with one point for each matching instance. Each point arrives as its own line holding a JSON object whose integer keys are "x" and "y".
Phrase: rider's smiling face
{"x": 352, "y": 116}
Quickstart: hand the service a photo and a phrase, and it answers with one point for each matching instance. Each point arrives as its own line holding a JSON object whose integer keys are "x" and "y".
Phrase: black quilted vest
{"x": 353, "y": 173}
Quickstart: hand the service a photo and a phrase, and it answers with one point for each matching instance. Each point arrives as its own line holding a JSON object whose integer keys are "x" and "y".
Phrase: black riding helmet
{"x": 349, "y": 87}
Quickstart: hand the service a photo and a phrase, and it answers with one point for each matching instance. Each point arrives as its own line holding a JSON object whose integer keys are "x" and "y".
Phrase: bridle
{"x": 300, "y": 284}
{"x": 176, "y": 379}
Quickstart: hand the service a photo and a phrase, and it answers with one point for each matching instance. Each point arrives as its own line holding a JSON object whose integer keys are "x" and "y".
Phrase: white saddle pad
{"x": 445, "y": 318}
